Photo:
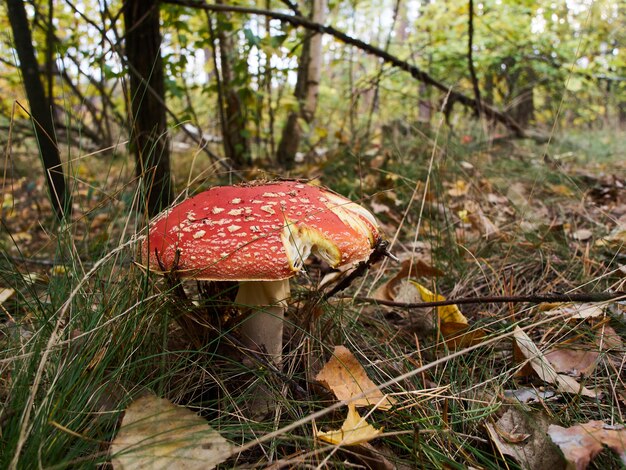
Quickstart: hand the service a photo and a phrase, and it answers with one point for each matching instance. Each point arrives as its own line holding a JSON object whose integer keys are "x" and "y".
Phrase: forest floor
{"x": 85, "y": 334}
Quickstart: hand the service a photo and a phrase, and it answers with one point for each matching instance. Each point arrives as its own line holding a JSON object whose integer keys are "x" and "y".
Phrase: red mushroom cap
{"x": 258, "y": 232}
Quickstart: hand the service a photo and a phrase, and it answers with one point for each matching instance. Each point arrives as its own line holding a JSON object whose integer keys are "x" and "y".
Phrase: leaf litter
{"x": 582, "y": 442}
{"x": 546, "y": 371}
{"x": 346, "y": 378}
{"x": 157, "y": 434}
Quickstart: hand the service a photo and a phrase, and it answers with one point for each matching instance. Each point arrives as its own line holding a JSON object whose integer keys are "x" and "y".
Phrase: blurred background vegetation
{"x": 243, "y": 86}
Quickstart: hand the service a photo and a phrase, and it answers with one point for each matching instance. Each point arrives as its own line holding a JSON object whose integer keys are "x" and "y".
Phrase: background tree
{"x": 147, "y": 94}
{"x": 232, "y": 78}
{"x": 40, "y": 109}
{"x": 306, "y": 90}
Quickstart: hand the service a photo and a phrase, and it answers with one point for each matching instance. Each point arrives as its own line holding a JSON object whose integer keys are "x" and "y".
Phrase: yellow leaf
{"x": 561, "y": 190}
{"x": 464, "y": 216}
{"x": 459, "y": 188}
{"x": 447, "y": 313}
{"x": 354, "y": 430}
{"x": 346, "y": 378}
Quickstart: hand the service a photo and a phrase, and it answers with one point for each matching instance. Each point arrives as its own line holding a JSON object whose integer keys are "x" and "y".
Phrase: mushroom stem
{"x": 262, "y": 331}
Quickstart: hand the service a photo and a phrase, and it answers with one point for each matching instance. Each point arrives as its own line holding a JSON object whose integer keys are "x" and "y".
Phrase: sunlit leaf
{"x": 354, "y": 430}
{"x": 447, "y": 313}
{"x": 346, "y": 378}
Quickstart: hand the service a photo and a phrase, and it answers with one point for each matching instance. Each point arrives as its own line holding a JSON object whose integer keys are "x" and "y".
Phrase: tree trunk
{"x": 470, "y": 57}
{"x": 236, "y": 142}
{"x": 307, "y": 88}
{"x": 314, "y": 67}
{"x": 147, "y": 91}
{"x": 39, "y": 108}
{"x": 524, "y": 109}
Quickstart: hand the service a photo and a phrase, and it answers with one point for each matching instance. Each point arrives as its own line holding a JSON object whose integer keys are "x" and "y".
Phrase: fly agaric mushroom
{"x": 259, "y": 235}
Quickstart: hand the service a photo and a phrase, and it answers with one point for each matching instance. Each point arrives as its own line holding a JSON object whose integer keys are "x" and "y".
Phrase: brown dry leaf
{"x": 542, "y": 367}
{"x": 156, "y": 434}
{"x": 609, "y": 339}
{"x": 583, "y": 442}
{"x": 522, "y": 436}
{"x": 518, "y": 358}
{"x": 484, "y": 225}
{"x": 458, "y": 335}
{"x": 573, "y": 362}
{"x": 354, "y": 430}
{"x": 345, "y": 377}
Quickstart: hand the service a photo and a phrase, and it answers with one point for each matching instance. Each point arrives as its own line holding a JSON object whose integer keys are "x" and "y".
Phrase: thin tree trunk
{"x": 400, "y": 38}
{"x": 267, "y": 76}
{"x": 307, "y": 88}
{"x": 236, "y": 142}
{"x": 40, "y": 109}
{"x": 149, "y": 127}
{"x": 470, "y": 58}
{"x": 314, "y": 68}
{"x": 50, "y": 52}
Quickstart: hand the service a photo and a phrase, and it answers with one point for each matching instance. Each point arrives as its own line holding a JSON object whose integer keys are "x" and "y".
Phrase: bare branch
{"x": 414, "y": 71}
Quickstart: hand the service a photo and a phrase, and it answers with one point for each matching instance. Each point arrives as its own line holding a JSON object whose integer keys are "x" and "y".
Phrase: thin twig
{"x": 495, "y": 299}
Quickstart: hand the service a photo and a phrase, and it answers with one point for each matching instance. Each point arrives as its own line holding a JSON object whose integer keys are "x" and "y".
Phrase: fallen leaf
{"x": 410, "y": 268}
{"x": 459, "y": 188}
{"x": 618, "y": 234}
{"x": 542, "y": 367}
{"x": 378, "y": 208}
{"x": 458, "y": 335}
{"x": 5, "y": 293}
{"x": 582, "y": 442}
{"x": 528, "y": 395}
{"x": 354, "y": 430}
{"x": 484, "y": 225}
{"x": 447, "y": 313}
{"x": 608, "y": 339}
{"x": 573, "y": 362}
{"x": 561, "y": 190}
{"x": 156, "y": 434}
{"x": 582, "y": 235}
{"x": 522, "y": 435}
{"x": 346, "y": 378}
{"x": 577, "y": 311}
